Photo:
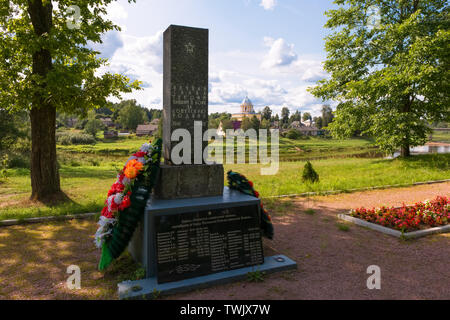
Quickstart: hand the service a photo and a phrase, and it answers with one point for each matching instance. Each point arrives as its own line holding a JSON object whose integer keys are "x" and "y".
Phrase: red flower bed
{"x": 419, "y": 216}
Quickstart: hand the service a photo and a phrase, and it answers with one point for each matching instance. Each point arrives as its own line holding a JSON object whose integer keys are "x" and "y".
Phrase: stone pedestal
{"x": 230, "y": 213}
{"x": 189, "y": 181}
{"x": 186, "y": 244}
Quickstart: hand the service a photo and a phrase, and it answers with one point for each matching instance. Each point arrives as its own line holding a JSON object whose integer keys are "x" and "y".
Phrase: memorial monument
{"x": 195, "y": 232}
{"x": 185, "y": 102}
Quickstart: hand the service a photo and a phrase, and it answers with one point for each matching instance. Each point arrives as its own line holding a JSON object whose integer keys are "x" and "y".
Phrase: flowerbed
{"x": 408, "y": 218}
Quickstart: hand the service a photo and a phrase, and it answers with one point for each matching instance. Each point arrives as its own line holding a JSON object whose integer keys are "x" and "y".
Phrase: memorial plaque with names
{"x": 205, "y": 242}
{"x": 185, "y": 82}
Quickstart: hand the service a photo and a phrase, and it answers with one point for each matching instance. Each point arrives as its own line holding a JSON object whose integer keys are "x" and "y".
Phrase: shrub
{"x": 19, "y": 161}
{"x": 93, "y": 126}
{"x": 293, "y": 134}
{"x": 74, "y": 163}
{"x": 309, "y": 174}
{"x": 95, "y": 163}
{"x": 66, "y": 138}
{"x": 4, "y": 163}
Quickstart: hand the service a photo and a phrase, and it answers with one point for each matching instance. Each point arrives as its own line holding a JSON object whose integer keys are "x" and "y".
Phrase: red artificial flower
{"x": 256, "y": 193}
{"x": 106, "y": 213}
{"x": 116, "y": 188}
{"x": 250, "y": 183}
{"x": 126, "y": 202}
{"x": 114, "y": 206}
{"x": 140, "y": 154}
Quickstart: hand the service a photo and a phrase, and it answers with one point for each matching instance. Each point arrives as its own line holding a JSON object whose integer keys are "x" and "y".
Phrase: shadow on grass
{"x": 35, "y": 259}
{"x": 88, "y": 172}
{"x": 54, "y": 200}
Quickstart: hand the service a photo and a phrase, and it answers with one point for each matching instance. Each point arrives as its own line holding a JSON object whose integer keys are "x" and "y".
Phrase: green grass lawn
{"x": 290, "y": 150}
{"x": 86, "y": 179}
{"x": 120, "y": 146}
{"x": 314, "y": 148}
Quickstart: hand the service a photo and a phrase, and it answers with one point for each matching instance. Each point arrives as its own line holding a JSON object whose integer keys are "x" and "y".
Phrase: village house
{"x": 310, "y": 131}
{"x": 146, "y": 129}
{"x": 107, "y": 122}
{"x": 296, "y": 124}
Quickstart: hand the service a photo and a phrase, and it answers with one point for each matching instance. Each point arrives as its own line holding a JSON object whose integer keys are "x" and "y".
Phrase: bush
{"x": 19, "y": 161}
{"x": 293, "y": 134}
{"x": 66, "y": 138}
{"x": 309, "y": 174}
{"x": 4, "y": 163}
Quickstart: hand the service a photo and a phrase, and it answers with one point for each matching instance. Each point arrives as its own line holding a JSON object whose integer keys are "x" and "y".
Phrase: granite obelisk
{"x": 185, "y": 106}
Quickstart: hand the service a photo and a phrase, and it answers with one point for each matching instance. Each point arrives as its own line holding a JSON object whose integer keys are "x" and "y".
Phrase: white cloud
{"x": 268, "y": 4}
{"x": 141, "y": 52}
{"x": 111, "y": 42}
{"x": 233, "y": 74}
{"x": 282, "y": 58}
{"x": 280, "y": 53}
{"x": 115, "y": 11}
{"x": 310, "y": 70}
{"x": 140, "y": 58}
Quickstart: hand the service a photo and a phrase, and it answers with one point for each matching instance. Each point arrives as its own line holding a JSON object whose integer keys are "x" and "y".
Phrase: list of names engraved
{"x": 194, "y": 244}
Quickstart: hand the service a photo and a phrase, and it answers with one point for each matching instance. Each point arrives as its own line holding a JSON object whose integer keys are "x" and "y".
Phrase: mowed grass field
{"x": 87, "y": 173}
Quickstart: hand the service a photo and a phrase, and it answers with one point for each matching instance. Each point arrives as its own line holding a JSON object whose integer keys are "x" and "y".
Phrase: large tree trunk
{"x": 405, "y": 151}
{"x": 406, "y": 143}
{"x": 44, "y": 171}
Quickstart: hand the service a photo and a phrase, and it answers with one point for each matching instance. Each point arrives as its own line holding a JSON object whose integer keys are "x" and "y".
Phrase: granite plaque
{"x": 185, "y": 93}
{"x": 205, "y": 242}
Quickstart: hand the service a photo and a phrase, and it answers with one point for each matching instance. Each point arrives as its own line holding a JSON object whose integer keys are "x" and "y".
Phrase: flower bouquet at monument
{"x": 239, "y": 182}
{"x": 126, "y": 202}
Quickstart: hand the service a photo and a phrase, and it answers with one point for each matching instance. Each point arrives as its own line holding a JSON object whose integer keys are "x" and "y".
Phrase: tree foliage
{"x": 131, "y": 115}
{"x": 93, "y": 125}
{"x": 285, "y": 115}
{"x": 71, "y": 83}
{"x": 307, "y": 116}
{"x": 327, "y": 116}
{"x": 46, "y": 64}
{"x": 267, "y": 113}
{"x": 14, "y": 130}
{"x": 389, "y": 66}
{"x": 297, "y": 116}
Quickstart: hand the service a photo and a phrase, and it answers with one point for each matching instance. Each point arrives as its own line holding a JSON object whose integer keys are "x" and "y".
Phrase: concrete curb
{"x": 13, "y": 222}
{"x": 149, "y": 288}
{"x": 322, "y": 193}
{"x": 392, "y": 232}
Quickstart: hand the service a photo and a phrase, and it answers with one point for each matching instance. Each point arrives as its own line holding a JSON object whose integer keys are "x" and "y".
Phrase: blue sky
{"x": 270, "y": 50}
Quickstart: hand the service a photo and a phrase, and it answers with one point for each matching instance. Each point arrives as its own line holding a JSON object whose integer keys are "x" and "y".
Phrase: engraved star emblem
{"x": 190, "y": 48}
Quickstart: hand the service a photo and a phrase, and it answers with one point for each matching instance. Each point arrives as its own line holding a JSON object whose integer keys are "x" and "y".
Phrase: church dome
{"x": 247, "y": 106}
{"x": 247, "y": 102}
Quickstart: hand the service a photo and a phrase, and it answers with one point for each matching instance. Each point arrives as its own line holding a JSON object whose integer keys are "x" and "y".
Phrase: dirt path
{"x": 331, "y": 263}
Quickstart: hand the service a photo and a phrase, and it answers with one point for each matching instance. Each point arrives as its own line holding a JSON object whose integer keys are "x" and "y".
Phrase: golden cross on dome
{"x": 190, "y": 48}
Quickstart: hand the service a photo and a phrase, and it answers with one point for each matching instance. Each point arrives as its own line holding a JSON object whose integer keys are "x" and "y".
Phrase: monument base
{"x": 150, "y": 289}
{"x": 199, "y": 229}
{"x": 186, "y": 244}
{"x": 189, "y": 181}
